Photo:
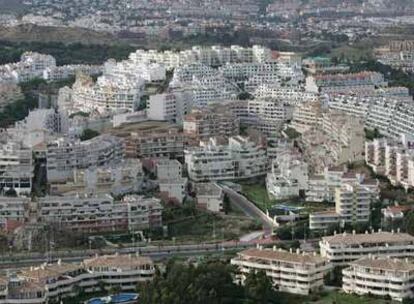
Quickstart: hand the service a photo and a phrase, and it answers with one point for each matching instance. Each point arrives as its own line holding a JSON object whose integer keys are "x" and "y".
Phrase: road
{"x": 155, "y": 252}
{"x": 250, "y": 209}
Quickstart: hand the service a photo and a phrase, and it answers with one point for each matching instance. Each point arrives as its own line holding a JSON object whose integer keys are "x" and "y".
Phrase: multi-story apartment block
{"x": 100, "y": 212}
{"x": 336, "y": 139}
{"x": 380, "y": 277}
{"x": 323, "y": 65}
{"x": 352, "y": 205}
{"x": 278, "y": 146}
{"x": 393, "y": 159}
{"x": 345, "y": 83}
{"x": 322, "y": 187}
{"x": 64, "y": 155}
{"x": 59, "y": 73}
{"x": 30, "y": 66}
{"x": 16, "y": 167}
{"x": 268, "y": 115}
{"x": 290, "y": 95}
{"x": 306, "y": 115}
{"x": 13, "y": 211}
{"x": 288, "y": 176}
{"x": 38, "y": 127}
{"x": 172, "y": 185}
{"x": 172, "y": 106}
{"x": 159, "y": 143}
{"x": 107, "y": 94}
{"x": 291, "y": 272}
{"x": 341, "y": 249}
{"x": 118, "y": 178}
{"x": 209, "y": 196}
{"x": 239, "y": 159}
{"x": 390, "y": 115}
{"x": 211, "y": 56}
{"x": 52, "y": 282}
{"x": 203, "y": 124}
{"x": 150, "y": 72}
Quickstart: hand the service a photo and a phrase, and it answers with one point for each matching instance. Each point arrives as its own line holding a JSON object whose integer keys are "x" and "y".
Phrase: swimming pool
{"x": 121, "y": 298}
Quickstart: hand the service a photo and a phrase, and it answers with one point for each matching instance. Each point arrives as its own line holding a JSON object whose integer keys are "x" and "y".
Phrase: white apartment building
{"x": 108, "y": 94}
{"x": 201, "y": 124}
{"x": 290, "y": 95}
{"x": 211, "y": 56}
{"x": 390, "y": 115}
{"x": 13, "y": 210}
{"x": 126, "y": 271}
{"x": 321, "y": 187}
{"x": 150, "y": 72}
{"x": 336, "y": 139}
{"x": 58, "y": 73}
{"x": 393, "y": 159}
{"x": 352, "y": 206}
{"x": 117, "y": 178}
{"x": 297, "y": 273}
{"x": 100, "y": 212}
{"x": 239, "y": 159}
{"x": 209, "y": 196}
{"x": 268, "y": 115}
{"x": 341, "y": 249}
{"x": 51, "y": 282}
{"x": 16, "y": 167}
{"x": 277, "y": 146}
{"x": 172, "y": 106}
{"x": 380, "y": 277}
{"x": 172, "y": 185}
{"x": 65, "y": 155}
{"x": 38, "y": 127}
{"x": 159, "y": 143}
{"x": 185, "y": 74}
{"x": 306, "y": 115}
{"x": 30, "y": 66}
{"x": 345, "y": 83}
{"x": 168, "y": 169}
{"x": 288, "y": 176}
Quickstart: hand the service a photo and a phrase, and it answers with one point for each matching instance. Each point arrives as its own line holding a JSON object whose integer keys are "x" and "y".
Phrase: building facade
{"x": 297, "y": 273}
{"x": 341, "y": 249}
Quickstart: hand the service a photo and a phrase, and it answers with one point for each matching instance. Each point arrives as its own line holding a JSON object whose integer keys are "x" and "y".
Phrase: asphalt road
{"x": 250, "y": 209}
{"x": 155, "y": 252}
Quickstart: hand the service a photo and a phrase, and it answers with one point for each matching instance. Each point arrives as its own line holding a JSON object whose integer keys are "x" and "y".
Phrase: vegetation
{"x": 88, "y": 134}
{"x": 18, "y": 110}
{"x": 208, "y": 283}
{"x": 393, "y": 76}
{"x": 371, "y": 134}
{"x": 188, "y": 223}
{"x": 291, "y": 133}
{"x": 409, "y": 223}
{"x": 75, "y": 53}
{"x": 257, "y": 193}
{"x": 245, "y": 96}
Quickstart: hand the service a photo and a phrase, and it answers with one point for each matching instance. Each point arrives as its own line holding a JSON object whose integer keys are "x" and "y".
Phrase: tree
{"x": 244, "y": 96}
{"x": 226, "y": 204}
{"x": 409, "y": 222}
{"x": 209, "y": 282}
{"x": 10, "y": 193}
{"x": 258, "y": 287}
{"x": 88, "y": 134}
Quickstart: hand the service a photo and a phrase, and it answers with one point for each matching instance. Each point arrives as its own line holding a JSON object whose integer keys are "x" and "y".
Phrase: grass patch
{"x": 338, "y": 297}
{"x": 197, "y": 225}
{"x": 257, "y": 193}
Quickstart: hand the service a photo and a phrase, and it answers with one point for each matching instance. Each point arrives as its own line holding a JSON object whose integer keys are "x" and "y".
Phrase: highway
{"x": 155, "y": 252}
